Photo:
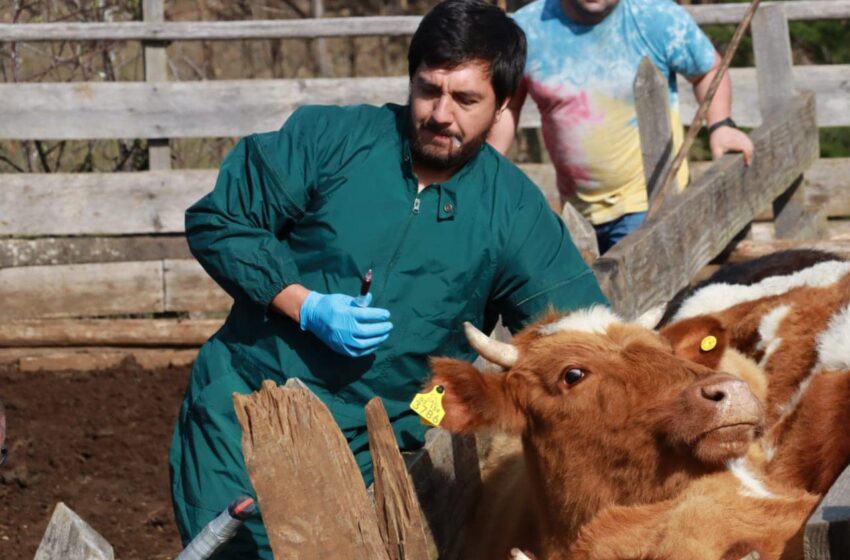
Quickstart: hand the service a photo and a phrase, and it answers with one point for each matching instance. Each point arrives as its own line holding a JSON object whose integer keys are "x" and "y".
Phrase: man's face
{"x": 451, "y": 111}
{"x": 588, "y": 11}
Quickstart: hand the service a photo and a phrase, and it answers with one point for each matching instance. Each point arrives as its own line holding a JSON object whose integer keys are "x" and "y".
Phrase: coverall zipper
{"x": 413, "y": 213}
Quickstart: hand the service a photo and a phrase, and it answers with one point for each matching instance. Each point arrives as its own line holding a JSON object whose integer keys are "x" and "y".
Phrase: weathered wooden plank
{"x": 749, "y": 249}
{"x": 81, "y": 290}
{"x": 189, "y": 288}
{"x": 156, "y": 70}
{"x": 69, "y": 537}
{"x": 655, "y": 261}
{"x": 235, "y": 108}
{"x": 653, "y": 114}
{"x": 582, "y": 233}
{"x": 772, "y": 48}
{"x": 793, "y": 219}
{"x": 447, "y": 478}
{"x": 93, "y": 204}
{"x": 827, "y": 534}
{"x": 827, "y": 184}
{"x": 338, "y": 27}
{"x": 107, "y": 332}
{"x": 83, "y": 250}
{"x": 308, "y": 485}
{"x": 47, "y": 204}
{"x": 94, "y": 358}
{"x": 399, "y": 516}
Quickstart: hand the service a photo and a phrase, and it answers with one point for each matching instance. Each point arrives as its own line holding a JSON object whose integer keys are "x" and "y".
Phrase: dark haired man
{"x": 451, "y": 230}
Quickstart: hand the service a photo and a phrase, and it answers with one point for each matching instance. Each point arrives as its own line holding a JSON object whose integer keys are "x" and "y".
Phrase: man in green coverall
{"x": 452, "y": 231}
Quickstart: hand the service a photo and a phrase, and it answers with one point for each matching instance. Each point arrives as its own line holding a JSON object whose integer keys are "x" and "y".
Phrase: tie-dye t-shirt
{"x": 582, "y": 79}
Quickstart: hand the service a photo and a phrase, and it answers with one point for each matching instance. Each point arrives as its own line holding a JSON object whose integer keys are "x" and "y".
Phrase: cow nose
{"x": 725, "y": 397}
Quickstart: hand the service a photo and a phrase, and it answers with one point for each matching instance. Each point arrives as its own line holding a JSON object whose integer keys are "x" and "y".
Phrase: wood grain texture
{"x": 81, "y": 290}
{"x": 582, "y": 233}
{"x": 653, "y": 115}
{"x": 224, "y": 108}
{"x": 156, "y": 70}
{"x": 827, "y": 185}
{"x": 658, "y": 259}
{"x": 159, "y": 333}
{"x": 94, "y": 358}
{"x": 339, "y": 27}
{"x": 188, "y": 288}
{"x": 68, "y": 536}
{"x": 55, "y": 204}
{"x": 774, "y": 65}
{"x": 399, "y": 517}
{"x": 308, "y": 485}
{"x": 85, "y": 250}
{"x": 447, "y": 477}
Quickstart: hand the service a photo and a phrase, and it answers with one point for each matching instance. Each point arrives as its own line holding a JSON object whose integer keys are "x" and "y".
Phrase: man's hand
{"x": 343, "y": 325}
{"x": 727, "y": 139}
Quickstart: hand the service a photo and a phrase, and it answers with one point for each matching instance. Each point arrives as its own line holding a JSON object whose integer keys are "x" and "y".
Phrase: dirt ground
{"x": 97, "y": 441}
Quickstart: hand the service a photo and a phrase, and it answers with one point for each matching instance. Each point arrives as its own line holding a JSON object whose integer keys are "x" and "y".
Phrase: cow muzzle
{"x": 732, "y": 417}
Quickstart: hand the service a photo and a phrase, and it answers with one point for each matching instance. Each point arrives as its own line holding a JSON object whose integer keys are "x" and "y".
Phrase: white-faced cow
{"x": 607, "y": 414}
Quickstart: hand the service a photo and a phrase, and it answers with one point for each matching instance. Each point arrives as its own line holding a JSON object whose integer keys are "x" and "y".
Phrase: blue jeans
{"x": 609, "y": 233}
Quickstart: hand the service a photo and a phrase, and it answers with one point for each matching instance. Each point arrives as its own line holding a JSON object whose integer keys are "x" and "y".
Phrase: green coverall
{"x": 318, "y": 203}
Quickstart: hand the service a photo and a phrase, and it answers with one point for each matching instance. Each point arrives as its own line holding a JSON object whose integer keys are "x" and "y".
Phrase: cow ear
{"x": 474, "y": 401}
{"x": 700, "y": 339}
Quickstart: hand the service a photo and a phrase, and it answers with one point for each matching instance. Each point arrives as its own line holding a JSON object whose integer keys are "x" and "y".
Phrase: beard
{"x": 440, "y": 159}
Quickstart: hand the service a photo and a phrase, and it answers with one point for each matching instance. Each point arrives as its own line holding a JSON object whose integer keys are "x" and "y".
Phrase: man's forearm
{"x": 288, "y": 302}
{"x": 721, "y": 105}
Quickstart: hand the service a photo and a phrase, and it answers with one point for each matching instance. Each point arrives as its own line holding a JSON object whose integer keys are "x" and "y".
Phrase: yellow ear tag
{"x": 430, "y": 405}
{"x": 708, "y": 343}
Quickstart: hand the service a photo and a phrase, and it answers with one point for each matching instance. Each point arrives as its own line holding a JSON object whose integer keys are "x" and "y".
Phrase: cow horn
{"x": 500, "y": 353}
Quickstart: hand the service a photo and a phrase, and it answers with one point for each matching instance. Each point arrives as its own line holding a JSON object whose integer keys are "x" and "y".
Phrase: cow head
{"x": 607, "y": 412}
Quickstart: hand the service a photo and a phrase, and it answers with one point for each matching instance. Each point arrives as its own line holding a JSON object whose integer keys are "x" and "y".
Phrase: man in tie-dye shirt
{"x": 583, "y": 56}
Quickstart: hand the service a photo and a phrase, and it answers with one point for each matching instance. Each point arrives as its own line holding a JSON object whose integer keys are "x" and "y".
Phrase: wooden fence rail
{"x": 387, "y": 26}
{"x": 90, "y": 110}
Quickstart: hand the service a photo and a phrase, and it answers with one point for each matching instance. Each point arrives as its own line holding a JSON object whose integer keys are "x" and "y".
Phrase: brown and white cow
{"x": 798, "y": 326}
{"x": 607, "y": 414}
{"x": 728, "y": 515}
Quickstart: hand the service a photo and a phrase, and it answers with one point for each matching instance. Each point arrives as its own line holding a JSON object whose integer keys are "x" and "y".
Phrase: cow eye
{"x": 573, "y": 376}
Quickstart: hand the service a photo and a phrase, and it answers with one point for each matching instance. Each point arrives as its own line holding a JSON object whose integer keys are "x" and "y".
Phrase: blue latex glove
{"x": 344, "y": 326}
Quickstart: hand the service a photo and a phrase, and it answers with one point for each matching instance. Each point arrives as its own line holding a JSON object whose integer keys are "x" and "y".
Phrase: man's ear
{"x": 474, "y": 401}
{"x": 504, "y": 107}
{"x": 700, "y": 339}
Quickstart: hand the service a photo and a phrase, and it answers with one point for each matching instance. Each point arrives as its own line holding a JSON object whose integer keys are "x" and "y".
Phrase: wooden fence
{"x": 93, "y": 267}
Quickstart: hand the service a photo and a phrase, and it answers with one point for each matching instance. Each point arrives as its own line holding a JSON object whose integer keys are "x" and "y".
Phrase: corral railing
{"x": 93, "y": 267}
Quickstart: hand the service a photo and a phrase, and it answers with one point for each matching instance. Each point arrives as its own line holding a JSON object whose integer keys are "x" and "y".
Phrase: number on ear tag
{"x": 430, "y": 405}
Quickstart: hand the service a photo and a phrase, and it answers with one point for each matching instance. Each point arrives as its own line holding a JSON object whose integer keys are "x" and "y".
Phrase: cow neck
{"x": 570, "y": 486}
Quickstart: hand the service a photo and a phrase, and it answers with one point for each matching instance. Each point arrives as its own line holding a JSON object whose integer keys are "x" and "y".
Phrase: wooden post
{"x": 582, "y": 232}
{"x": 656, "y": 137}
{"x": 399, "y": 517}
{"x": 319, "y": 47}
{"x": 69, "y": 537}
{"x": 156, "y": 70}
{"x": 309, "y": 488}
{"x": 772, "y": 46}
